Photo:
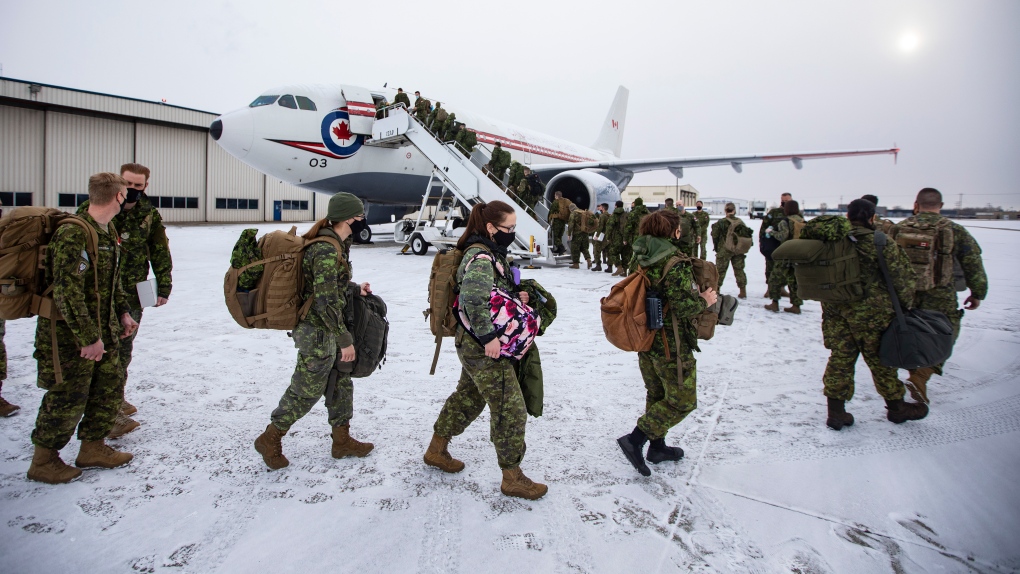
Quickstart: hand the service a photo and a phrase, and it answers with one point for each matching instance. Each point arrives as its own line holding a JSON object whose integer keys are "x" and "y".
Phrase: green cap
{"x": 344, "y": 206}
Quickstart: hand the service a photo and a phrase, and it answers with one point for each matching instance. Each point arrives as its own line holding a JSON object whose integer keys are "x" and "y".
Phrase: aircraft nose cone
{"x": 234, "y": 132}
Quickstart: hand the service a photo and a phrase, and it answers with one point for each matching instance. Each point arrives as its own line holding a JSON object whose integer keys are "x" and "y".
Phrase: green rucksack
{"x": 365, "y": 318}
{"x": 824, "y": 261}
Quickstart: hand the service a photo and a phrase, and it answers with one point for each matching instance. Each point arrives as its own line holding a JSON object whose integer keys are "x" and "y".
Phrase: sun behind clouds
{"x": 909, "y": 41}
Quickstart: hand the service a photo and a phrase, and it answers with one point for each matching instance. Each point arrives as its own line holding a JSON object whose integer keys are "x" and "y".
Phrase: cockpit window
{"x": 305, "y": 103}
{"x": 288, "y": 102}
{"x": 263, "y": 101}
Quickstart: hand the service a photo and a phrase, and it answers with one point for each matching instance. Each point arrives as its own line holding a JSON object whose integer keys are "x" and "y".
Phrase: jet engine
{"x": 586, "y": 189}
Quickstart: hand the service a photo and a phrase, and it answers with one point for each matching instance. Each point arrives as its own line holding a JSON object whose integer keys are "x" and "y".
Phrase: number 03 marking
{"x": 315, "y": 162}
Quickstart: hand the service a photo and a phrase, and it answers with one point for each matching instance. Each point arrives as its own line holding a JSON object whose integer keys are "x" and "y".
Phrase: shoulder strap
{"x": 671, "y": 263}
{"x": 880, "y": 243}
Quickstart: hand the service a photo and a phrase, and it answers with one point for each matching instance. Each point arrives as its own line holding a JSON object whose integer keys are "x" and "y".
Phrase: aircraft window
{"x": 288, "y": 102}
{"x": 305, "y": 103}
{"x": 263, "y": 101}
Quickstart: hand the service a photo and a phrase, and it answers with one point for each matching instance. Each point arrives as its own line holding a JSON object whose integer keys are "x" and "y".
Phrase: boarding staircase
{"x": 464, "y": 178}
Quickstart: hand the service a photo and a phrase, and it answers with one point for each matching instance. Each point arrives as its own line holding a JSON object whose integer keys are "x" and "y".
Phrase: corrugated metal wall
{"x": 177, "y": 158}
{"x": 277, "y": 190}
{"x": 321, "y": 205}
{"x": 78, "y": 147}
{"x": 229, "y": 178}
{"x": 22, "y": 151}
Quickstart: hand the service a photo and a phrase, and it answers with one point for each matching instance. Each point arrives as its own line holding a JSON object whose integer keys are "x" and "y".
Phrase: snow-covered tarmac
{"x": 765, "y": 486}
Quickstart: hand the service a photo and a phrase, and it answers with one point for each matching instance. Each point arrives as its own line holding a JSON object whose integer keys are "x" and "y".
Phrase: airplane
{"x": 314, "y": 137}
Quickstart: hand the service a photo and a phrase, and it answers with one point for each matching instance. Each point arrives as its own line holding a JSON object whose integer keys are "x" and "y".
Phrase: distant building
{"x": 657, "y": 194}
{"x": 717, "y": 205}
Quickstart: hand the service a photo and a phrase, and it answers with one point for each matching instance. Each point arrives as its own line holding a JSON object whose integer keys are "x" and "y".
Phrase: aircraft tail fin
{"x": 611, "y": 137}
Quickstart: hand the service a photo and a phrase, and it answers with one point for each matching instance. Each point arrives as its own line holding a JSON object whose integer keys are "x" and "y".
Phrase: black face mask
{"x": 699, "y": 208}
{"x": 132, "y": 195}
{"x": 503, "y": 239}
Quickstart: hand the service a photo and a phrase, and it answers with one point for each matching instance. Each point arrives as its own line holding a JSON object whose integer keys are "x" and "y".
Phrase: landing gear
{"x": 418, "y": 244}
{"x": 362, "y": 233}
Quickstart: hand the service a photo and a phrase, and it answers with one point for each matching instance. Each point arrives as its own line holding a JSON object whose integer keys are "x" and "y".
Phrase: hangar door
{"x": 177, "y": 158}
{"x": 21, "y": 156}
{"x": 78, "y": 147}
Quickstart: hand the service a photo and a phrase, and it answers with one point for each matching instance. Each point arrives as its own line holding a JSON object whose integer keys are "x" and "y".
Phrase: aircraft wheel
{"x": 418, "y": 244}
{"x": 365, "y": 235}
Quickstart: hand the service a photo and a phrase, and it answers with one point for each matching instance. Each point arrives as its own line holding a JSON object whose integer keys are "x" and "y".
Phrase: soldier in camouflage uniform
{"x": 771, "y": 220}
{"x": 559, "y": 215}
{"x": 723, "y": 256}
{"x": 630, "y": 233}
{"x": 526, "y": 191}
{"x": 498, "y": 163}
{"x": 967, "y": 252}
{"x": 850, "y": 330}
{"x": 578, "y": 236}
{"x": 783, "y": 275}
{"x": 703, "y": 223}
{"x": 401, "y": 98}
{"x": 322, "y": 339}
{"x": 87, "y": 384}
{"x": 486, "y": 378}
{"x": 619, "y": 254}
{"x": 690, "y": 232}
{"x": 600, "y": 249}
{"x": 467, "y": 140}
{"x": 143, "y": 242}
{"x": 669, "y": 369}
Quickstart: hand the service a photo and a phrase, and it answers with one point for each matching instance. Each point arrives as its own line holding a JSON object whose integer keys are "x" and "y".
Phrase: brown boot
{"x": 838, "y": 417}
{"x": 124, "y": 425}
{"x": 127, "y": 409}
{"x": 917, "y": 384}
{"x": 270, "y": 445}
{"x": 743, "y": 293}
{"x": 49, "y": 468}
{"x": 344, "y": 445}
{"x": 438, "y": 456}
{"x": 795, "y": 309}
{"x": 900, "y": 411}
{"x": 575, "y": 266}
{"x": 773, "y": 306}
{"x": 96, "y": 453}
{"x": 619, "y": 272}
{"x": 7, "y": 409}
{"x": 516, "y": 484}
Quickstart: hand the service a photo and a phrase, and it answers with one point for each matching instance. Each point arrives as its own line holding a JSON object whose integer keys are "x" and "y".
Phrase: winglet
{"x": 611, "y": 137}
{"x": 895, "y": 154}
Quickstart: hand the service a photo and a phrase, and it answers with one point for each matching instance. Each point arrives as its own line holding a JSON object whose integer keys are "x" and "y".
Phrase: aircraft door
{"x": 360, "y": 108}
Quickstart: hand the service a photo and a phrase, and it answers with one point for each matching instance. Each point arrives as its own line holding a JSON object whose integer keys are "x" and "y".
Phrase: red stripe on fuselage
{"x": 524, "y": 146}
{"x": 312, "y": 147}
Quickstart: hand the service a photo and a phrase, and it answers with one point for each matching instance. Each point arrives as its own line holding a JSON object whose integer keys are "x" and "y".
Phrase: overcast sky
{"x": 941, "y": 79}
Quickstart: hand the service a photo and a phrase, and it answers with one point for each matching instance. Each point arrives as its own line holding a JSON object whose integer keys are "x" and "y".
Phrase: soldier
{"x": 942, "y": 297}
{"x": 766, "y": 243}
{"x": 703, "y": 220}
{"x": 690, "y": 232}
{"x": 321, "y": 339}
{"x": 670, "y": 206}
{"x": 421, "y": 108}
{"x": 498, "y": 163}
{"x": 669, "y": 368}
{"x": 143, "y": 242}
{"x": 87, "y": 384}
{"x": 600, "y": 248}
{"x": 486, "y": 378}
{"x": 881, "y": 224}
{"x": 615, "y": 234}
{"x": 637, "y": 211}
{"x": 782, "y": 274}
{"x": 446, "y": 131}
{"x": 401, "y": 98}
{"x": 723, "y": 256}
{"x": 577, "y": 235}
{"x": 467, "y": 140}
{"x": 516, "y": 174}
{"x": 559, "y": 215}
{"x": 853, "y": 329}
{"x": 437, "y": 118}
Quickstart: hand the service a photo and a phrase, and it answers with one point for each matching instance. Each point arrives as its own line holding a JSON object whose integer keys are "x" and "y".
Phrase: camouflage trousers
{"x": 723, "y": 259}
{"x": 943, "y": 300}
{"x": 315, "y": 377}
{"x": 850, "y": 331}
{"x": 484, "y": 381}
{"x": 3, "y": 353}
{"x": 783, "y": 275}
{"x": 599, "y": 252}
{"x": 619, "y": 255}
{"x": 88, "y": 397}
{"x": 578, "y": 247}
{"x": 667, "y": 400}
{"x": 558, "y": 228}
{"x": 127, "y": 345}
{"x": 769, "y": 265}
{"x": 704, "y": 245}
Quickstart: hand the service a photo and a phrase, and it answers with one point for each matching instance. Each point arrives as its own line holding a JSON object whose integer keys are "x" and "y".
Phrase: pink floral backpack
{"x": 517, "y": 324}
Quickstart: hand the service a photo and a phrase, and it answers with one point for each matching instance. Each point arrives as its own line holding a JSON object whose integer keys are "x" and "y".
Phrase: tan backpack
{"x": 930, "y": 250}
{"x": 705, "y": 275}
{"x": 442, "y": 293}
{"x": 798, "y": 226}
{"x": 734, "y": 243}
{"x": 275, "y": 301}
{"x": 623, "y": 311}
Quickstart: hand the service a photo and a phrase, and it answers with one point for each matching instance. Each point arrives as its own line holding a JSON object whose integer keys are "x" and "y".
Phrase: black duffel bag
{"x": 915, "y": 338}
{"x": 767, "y": 245}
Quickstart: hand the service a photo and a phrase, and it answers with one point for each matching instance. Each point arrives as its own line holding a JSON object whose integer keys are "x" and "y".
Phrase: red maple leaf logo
{"x": 342, "y": 131}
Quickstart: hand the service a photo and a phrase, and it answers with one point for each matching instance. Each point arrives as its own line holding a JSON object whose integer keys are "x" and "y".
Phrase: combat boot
{"x": 122, "y": 426}
{"x": 127, "y": 409}
{"x": 659, "y": 452}
{"x": 598, "y": 267}
{"x": 344, "y": 445}
{"x": 520, "y": 486}
{"x": 96, "y": 453}
{"x": 270, "y": 445}
{"x": 900, "y": 411}
{"x": 7, "y": 409}
{"x": 48, "y": 467}
{"x": 632, "y": 446}
{"x": 619, "y": 272}
{"x": 917, "y": 384}
{"x": 743, "y": 293}
{"x": 773, "y": 306}
{"x": 609, "y": 268}
{"x": 575, "y": 266}
{"x": 438, "y": 456}
{"x": 795, "y": 309}
{"x": 838, "y": 417}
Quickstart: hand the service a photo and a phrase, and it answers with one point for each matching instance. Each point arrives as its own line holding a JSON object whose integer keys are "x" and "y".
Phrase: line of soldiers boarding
{"x": 91, "y": 394}
{"x": 435, "y": 118}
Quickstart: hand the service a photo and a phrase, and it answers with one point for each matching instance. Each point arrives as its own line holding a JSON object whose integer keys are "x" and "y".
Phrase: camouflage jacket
{"x": 703, "y": 221}
{"x": 402, "y": 97}
{"x": 557, "y": 207}
{"x": 722, "y": 227}
{"x": 965, "y": 250}
{"x": 72, "y": 273}
{"x": 478, "y": 275}
{"x": 603, "y": 224}
{"x": 690, "y": 230}
{"x": 771, "y": 219}
{"x": 633, "y": 221}
{"x": 327, "y": 276}
{"x": 785, "y": 229}
{"x": 615, "y": 227}
{"x": 678, "y": 290}
{"x": 143, "y": 242}
{"x": 574, "y": 227}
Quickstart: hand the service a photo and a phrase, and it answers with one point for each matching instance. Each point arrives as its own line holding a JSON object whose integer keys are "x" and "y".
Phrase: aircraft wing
{"x": 676, "y": 165}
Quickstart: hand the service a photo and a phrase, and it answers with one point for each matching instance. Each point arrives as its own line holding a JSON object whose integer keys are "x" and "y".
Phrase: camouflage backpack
{"x": 737, "y": 244}
{"x": 929, "y": 247}
{"x": 824, "y": 260}
{"x": 442, "y": 294}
